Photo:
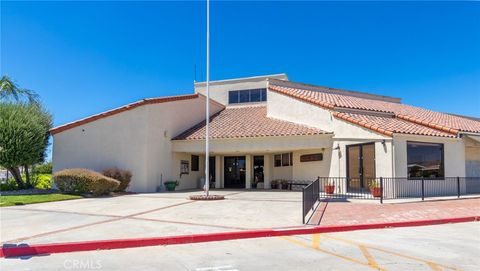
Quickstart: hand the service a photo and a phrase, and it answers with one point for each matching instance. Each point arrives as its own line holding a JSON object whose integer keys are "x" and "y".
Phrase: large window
{"x": 247, "y": 96}
{"x": 425, "y": 160}
{"x": 283, "y": 160}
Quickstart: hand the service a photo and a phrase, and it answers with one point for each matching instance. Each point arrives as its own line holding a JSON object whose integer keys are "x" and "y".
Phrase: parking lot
{"x": 442, "y": 247}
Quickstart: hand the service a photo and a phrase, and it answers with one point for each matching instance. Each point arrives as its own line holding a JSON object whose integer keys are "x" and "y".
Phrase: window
{"x": 425, "y": 160}
{"x": 278, "y": 160}
{"x": 283, "y": 160}
{"x": 195, "y": 160}
{"x": 247, "y": 96}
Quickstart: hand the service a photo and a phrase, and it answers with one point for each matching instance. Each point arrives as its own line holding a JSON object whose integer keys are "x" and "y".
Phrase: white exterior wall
{"x": 116, "y": 141}
{"x": 454, "y": 154}
{"x": 138, "y": 140}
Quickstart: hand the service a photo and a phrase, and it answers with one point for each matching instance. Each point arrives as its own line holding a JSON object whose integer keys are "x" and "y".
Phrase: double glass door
{"x": 234, "y": 171}
{"x": 360, "y": 166}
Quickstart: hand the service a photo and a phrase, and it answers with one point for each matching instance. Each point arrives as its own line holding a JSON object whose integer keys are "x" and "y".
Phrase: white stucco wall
{"x": 454, "y": 154}
{"x": 138, "y": 140}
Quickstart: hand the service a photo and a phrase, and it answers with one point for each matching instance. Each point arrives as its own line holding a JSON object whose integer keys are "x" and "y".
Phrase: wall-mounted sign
{"x": 184, "y": 167}
{"x": 311, "y": 157}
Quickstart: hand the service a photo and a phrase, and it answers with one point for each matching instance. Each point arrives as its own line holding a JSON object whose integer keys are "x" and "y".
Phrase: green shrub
{"x": 80, "y": 181}
{"x": 8, "y": 185}
{"x": 42, "y": 181}
{"x": 123, "y": 176}
{"x": 45, "y": 168}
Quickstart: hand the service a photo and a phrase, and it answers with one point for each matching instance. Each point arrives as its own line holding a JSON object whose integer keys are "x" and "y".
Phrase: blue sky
{"x": 87, "y": 57}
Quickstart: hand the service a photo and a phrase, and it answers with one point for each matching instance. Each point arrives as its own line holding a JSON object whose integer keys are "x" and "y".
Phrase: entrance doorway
{"x": 258, "y": 163}
{"x": 211, "y": 170}
{"x": 360, "y": 166}
{"x": 234, "y": 171}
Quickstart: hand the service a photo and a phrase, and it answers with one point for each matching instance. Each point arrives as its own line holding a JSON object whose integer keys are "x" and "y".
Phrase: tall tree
{"x": 10, "y": 91}
{"x": 24, "y": 132}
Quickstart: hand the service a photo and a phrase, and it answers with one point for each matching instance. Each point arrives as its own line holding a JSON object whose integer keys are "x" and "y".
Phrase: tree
{"x": 24, "y": 133}
{"x": 10, "y": 91}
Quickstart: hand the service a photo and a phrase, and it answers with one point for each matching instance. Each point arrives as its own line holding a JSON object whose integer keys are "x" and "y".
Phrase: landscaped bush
{"x": 81, "y": 181}
{"x": 121, "y": 175}
{"x": 42, "y": 181}
{"x": 8, "y": 185}
{"x": 45, "y": 168}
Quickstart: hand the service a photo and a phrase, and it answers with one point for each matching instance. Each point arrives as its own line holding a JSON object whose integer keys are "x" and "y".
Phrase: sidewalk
{"x": 347, "y": 213}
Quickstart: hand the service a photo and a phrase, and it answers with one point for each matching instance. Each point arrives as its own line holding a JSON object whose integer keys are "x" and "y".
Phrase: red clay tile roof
{"x": 435, "y": 120}
{"x": 390, "y": 125}
{"x": 124, "y": 108}
{"x": 248, "y": 121}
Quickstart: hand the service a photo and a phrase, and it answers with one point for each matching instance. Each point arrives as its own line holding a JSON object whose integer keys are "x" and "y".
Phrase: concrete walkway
{"x": 148, "y": 215}
{"x": 347, "y": 213}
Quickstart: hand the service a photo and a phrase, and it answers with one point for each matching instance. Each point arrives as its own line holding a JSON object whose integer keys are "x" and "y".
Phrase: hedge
{"x": 121, "y": 175}
{"x": 82, "y": 181}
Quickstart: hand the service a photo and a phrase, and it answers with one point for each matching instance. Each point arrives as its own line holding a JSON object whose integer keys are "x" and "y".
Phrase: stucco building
{"x": 268, "y": 128}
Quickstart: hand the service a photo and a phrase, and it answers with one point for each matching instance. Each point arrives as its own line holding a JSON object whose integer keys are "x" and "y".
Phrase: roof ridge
{"x": 338, "y": 91}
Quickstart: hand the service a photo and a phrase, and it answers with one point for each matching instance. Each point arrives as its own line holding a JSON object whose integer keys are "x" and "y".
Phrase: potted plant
{"x": 375, "y": 188}
{"x": 284, "y": 184}
{"x": 329, "y": 187}
{"x": 274, "y": 184}
{"x": 170, "y": 185}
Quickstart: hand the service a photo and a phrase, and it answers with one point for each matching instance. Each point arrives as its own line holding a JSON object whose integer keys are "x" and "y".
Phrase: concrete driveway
{"x": 148, "y": 215}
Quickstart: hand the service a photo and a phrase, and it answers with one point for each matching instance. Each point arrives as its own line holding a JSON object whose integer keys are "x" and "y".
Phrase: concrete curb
{"x": 43, "y": 249}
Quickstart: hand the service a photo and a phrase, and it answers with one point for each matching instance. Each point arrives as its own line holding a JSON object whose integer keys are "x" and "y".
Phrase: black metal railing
{"x": 382, "y": 188}
{"x": 310, "y": 196}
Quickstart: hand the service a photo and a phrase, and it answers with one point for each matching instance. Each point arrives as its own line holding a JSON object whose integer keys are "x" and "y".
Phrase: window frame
{"x": 442, "y": 161}
{"x": 248, "y": 92}
{"x": 279, "y": 162}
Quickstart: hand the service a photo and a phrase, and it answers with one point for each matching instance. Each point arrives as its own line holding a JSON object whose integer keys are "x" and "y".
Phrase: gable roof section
{"x": 245, "y": 122}
{"x": 339, "y": 99}
{"x": 124, "y": 108}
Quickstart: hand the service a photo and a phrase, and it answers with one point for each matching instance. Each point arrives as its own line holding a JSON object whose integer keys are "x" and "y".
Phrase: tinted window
{"x": 425, "y": 160}
{"x": 278, "y": 160}
{"x": 233, "y": 97}
{"x": 244, "y": 96}
{"x": 255, "y": 95}
{"x": 247, "y": 96}
{"x": 195, "y": 159}
{"x": 285, "y": 159}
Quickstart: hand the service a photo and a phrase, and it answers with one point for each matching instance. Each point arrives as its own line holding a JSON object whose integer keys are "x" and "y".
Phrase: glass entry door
{"x": 360, "y": 166}
{"x": 234, "y": 171}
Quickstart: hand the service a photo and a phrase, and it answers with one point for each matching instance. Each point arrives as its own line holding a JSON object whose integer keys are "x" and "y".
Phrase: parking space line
{"x": 369, "y": 257}
{"x": 316, "y": 240}
{"x": 299, "y": 243}
{"x": 433, "y": 265}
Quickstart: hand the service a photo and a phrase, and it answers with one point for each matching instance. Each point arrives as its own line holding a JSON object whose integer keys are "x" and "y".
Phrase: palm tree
{"x": 9, "y": 90}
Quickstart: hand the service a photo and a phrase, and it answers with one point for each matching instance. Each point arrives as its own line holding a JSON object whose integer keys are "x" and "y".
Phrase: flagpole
{"x": 207, "y": 109}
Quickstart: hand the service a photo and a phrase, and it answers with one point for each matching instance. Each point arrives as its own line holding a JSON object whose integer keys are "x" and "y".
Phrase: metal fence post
{"x": 458, "y": 187}
{"x": 381, "y": 190}
{"x": 303, "y": 205}
{"x": 423, "y": 188}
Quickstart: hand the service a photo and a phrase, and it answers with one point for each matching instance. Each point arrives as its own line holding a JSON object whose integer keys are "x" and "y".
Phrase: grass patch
{"x": 29, "y": 199}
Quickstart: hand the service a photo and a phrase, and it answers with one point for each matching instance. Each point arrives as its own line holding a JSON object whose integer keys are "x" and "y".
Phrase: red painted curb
{"x": 25, "y": 250}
